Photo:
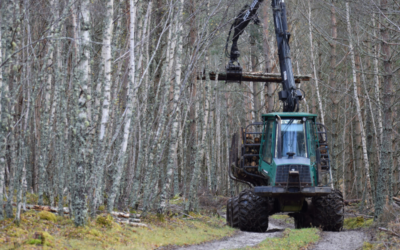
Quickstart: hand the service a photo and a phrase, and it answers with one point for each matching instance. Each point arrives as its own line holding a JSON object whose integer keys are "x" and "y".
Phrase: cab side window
{"x": 267, "y": 147}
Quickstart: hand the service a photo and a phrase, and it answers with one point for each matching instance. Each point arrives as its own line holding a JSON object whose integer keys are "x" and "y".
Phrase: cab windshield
{"x": 293, "y": 137}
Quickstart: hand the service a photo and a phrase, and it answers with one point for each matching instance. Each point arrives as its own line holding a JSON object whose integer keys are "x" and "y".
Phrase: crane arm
{"x": 290, "y": 95}
{"x": 246, "y": 14}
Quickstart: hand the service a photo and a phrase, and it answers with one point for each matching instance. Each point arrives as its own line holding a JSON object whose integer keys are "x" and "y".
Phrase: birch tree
{"x": 106, "y": 80}
{"x": 131, "y": 101}
{"x": 173, "y": 147}
{"x": 359, "y": 116}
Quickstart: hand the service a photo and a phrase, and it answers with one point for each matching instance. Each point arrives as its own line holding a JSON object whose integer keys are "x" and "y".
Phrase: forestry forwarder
{"x": 285, "y": 158}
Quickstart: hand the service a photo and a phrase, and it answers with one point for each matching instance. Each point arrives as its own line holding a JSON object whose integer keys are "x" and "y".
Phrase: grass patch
{"x": 357, "y": 222}
{"x": 283, "y": 217}
{"x": 104, "y": 233}
{"x": 292, "y": 239}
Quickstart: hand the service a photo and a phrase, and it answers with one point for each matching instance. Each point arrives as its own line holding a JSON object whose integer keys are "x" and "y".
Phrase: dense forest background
{"x": 101, "y": 103}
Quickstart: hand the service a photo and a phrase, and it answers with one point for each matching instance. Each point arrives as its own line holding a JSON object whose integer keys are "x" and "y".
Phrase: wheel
{"x": 235, "y": 212}
{"x": 253, "y": 212}
{"x": 302, "y": 220}
{"x": 328, "y": 211}
{"x": 229, "y": 212}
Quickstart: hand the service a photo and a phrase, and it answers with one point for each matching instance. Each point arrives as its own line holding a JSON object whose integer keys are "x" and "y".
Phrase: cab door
{"x": 267, "y": 151}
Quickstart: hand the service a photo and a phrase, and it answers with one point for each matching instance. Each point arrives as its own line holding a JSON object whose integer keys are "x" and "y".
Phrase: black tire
{"x": 302, "y": 220}
{"x": 254, "y": 212}
{"x": 229, "y": 212}
{"x": 328, "y": 211}
{"x": 235, "y": 212}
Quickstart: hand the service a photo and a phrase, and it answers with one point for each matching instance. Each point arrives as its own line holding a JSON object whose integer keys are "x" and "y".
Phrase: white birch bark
{"x": 159, "y": 139}
{"x": 130, "y": 100}
{"x": 173, "y": 147}
{"x": 106, "y": 71}
{"x": 377, "y": 82}
{"x": 105, "y": 75}
{"x": 358, "y": 108}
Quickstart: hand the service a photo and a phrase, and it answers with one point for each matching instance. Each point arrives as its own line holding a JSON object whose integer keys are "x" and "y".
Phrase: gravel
{"x": 240, "y": 240}
{"x": 345, "y": 240}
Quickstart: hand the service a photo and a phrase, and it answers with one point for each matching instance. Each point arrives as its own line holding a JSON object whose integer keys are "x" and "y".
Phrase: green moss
{"x": 102, "y": 208}
{"x": 94, "y": 232}
{"x": 106, "y": 221}
{"x": 367, "y": 246}
{"x": 34, "y": 242}
{"x": 45, "y": 215}
{"x": 47, "y": 239}
{"x": 357, "y": 222}
{"x": 43, "y": 238}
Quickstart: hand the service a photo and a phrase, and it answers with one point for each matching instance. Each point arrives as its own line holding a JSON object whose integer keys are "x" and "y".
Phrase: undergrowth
{"x": 38, "y": 231}
{"x": 389, "y": 238}
{"x": 357, "y": 223}
{"x": 292, "y": 239}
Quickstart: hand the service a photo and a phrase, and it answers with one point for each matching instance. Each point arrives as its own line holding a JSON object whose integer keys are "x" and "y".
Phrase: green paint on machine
{"x": 269, "y": 142}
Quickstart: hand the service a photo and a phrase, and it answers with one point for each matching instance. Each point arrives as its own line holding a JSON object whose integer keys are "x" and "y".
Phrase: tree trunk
{"x": 384, "y": 173}
{"x": 105, "y": 76}
{"x": 358, "y": 108}
{"x": 335, "y": 100}
{"x": 130, "y": 101}
{"x": 321, "y": 109}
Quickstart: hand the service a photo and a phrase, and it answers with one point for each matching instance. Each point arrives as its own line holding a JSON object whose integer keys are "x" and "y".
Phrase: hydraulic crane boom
{"x": 290, "y": 95}
{"x": 246, "y": 14}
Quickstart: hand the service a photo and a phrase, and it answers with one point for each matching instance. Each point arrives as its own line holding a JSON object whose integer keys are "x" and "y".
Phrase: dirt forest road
{"x": 345, "y": 240}
{"x": 240, "y": 240}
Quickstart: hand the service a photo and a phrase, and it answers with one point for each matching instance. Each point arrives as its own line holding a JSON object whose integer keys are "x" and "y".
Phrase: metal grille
{"x": 282, "y": 173}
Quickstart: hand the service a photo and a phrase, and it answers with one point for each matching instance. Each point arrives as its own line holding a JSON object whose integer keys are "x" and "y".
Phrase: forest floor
{"x": 44, "y": 230}
{"x": 195, "y": 231}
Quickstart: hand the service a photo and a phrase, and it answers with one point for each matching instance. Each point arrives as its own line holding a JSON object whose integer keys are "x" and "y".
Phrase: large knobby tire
{"x": 328, "y": 211}
{"x": 235, "y": 212}
{"x": 229, "y": 212}
{"x": 253, "y": 212}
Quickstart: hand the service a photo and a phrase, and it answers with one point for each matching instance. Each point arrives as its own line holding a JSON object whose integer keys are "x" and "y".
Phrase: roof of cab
{"x": 289, "y": 114}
